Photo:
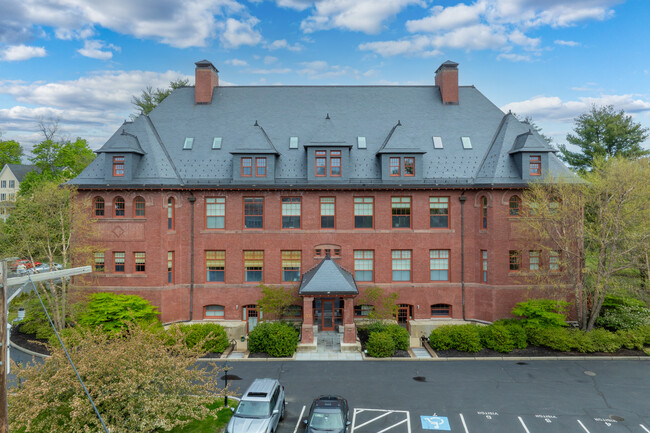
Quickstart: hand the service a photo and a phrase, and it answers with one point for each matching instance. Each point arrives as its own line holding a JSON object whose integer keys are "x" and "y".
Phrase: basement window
{"x": 467, "y": 143}
{"x": 361, "y": 142}
{"x": 216, "y": 143}
{"x": 189, "y": 141}
{"x": 437, "y": 142}
{"x": 293, "y": 142}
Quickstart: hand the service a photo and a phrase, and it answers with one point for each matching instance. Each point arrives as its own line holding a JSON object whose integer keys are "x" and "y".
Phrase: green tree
{"x": 615, "y": 236}
{"x": 275, "y": 301}
{"x": 143, "y": 382}
{"x": 114, "y": 312}
{"x": 57, "y": 161}
{"x": 10, "y": 153}
{"x": 41, "y": 227}
{"x": 384, "y": 304}
{"x": 150, "y": 97}
{"x": 603, "y": 132}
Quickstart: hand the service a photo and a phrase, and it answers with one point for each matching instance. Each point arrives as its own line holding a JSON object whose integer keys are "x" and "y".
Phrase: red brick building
{"x": 327, "y": 189}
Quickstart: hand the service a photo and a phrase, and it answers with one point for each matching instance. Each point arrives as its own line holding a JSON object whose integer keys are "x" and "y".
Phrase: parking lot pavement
{"x": 366, "y": 420}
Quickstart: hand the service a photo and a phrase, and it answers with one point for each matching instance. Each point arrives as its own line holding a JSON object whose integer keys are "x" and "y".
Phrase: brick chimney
{"x": 206, "y": 78}
{"x": 447, "y": 81}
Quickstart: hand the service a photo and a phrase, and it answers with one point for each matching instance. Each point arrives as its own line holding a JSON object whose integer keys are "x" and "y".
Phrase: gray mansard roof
{"x": 262, "y": 119}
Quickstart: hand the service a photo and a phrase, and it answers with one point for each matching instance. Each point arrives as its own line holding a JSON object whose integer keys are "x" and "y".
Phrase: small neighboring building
{"x": 330, "y": 190}
{"x": 10, "y": 178}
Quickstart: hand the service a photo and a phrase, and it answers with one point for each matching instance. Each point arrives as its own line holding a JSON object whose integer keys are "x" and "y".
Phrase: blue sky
{"x": 81, "y": 61}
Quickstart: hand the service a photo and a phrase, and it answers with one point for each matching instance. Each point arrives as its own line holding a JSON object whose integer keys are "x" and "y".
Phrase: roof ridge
{"x": 164, "y": 148}
{"x": 489, "y": 150}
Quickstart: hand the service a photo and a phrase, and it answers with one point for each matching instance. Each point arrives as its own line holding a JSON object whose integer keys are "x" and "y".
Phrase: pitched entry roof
{"x": 328, "y": 278}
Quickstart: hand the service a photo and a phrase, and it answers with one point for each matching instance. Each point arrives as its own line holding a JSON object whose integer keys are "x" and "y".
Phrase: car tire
{"x": 284, "y": 404}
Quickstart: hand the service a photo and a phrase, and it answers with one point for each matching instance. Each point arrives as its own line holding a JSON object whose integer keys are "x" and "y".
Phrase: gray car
{"x": 260, "y": 409}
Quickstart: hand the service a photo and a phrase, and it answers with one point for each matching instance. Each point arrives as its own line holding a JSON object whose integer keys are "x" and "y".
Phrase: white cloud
{"x": 90, "y": 107}
{"x": 270, "y": 71}
{"x": 514, "y": 57}
{"x": 237, "y": 62}
{"x": 553, "y": 108}
{"x": 476, "y": 37}
{"x": 93, "y": 49}
{"x": 365, "y": 16}
{"x": 237, "y": 33}
{"x": 268, "y": 60}
{"x": 447, "y": 18}
{"x": 566, "y": 43}
{"x": 319, "y": 69}
{"x": 283, "y": 44}
{"x": 416, "y": 46}
{"x": 17, "y": 53}
{"x": 178, "y": 23}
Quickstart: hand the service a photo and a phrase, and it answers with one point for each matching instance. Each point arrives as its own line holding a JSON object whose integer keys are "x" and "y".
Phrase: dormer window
{"x": 321, "y": 163}
{"x": 260, "y": 167}
{"x": 394, "y": 166}
{"x": 535, "y": 165}
{"x": 246, "y": 167}
{"x": 118, "y": 166}
{"x": 189, "y": 141}
{"x": 335, "y": 163}
{"x": 409, "y": 166}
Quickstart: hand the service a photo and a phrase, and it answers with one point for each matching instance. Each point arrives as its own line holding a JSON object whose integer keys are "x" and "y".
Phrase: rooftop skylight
{"x": 293, "y": 142}
{"x": 361, "y": 142}
{"x": 467, "y": 144}
{"x": 216, "y": 143}
{"x": 437, "y": 142}
{"x": 189, "y": 141}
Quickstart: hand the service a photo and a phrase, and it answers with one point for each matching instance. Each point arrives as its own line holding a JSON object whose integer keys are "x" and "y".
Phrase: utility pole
{"x": 4, "y": 340}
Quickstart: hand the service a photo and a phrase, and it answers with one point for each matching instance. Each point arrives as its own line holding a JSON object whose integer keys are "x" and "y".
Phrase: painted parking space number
{"x": 434, "y": 422}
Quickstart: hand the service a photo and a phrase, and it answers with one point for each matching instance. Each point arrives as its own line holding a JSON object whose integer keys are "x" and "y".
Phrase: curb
{"x": 27, "y": 351}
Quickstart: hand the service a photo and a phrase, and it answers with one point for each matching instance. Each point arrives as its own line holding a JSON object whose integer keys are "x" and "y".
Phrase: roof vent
{"x": 328, "y": 116}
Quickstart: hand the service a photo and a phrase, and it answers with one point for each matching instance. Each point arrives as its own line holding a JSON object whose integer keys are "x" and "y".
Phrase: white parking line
{"x": 372, "y": 420}
{"x": 522, "y": 423}
{"x": 644, "y": 428}
{"x": 394, "y": 425}
{"x": 462, "y": 419}
{"x": 386, "y": 412}
{"x": 583, "y": 426}
{"x": 299, "y": 420}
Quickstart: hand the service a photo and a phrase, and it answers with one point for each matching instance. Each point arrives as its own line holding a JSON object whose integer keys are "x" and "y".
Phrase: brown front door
{"x": 327, "y": 315}
{"x": 404, "y": 314}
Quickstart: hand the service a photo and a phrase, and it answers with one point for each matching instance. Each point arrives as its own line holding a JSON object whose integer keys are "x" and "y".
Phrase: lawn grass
{"x": 212, "y": 423}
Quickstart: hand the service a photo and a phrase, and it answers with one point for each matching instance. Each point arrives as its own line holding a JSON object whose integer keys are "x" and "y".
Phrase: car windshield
{"x": 326, "y": 420}
{"x": 252, "y": 409}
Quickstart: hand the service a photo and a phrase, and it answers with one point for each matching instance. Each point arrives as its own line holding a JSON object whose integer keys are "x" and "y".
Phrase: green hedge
{"x": 213, "y": 336}
{"x": 380, "y": 344}
{"x": 278, "y": 339}
{"x": 465, "y": 338}
{"x": 398, "y": 334}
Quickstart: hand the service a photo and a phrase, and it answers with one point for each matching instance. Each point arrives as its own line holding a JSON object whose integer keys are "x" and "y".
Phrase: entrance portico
{"x": 328, "y": 293}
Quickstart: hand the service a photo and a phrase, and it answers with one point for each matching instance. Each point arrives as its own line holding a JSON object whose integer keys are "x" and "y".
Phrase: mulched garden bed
{"x": 29, "y": 342}
{"x": 532, "y": 351}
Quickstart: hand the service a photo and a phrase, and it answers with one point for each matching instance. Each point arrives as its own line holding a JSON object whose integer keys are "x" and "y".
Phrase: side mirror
{"x": 305, "y": 422}
{"x": 275, "y": 412}
{"x": 348, "y": 423}
{"x": 232, "y": 409}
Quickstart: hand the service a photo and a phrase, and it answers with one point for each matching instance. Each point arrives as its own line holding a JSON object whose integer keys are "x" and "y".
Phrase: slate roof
{"x": 21, "y": 170}
{"x": 282, "y": 112}
{"x": 328, "y": 278}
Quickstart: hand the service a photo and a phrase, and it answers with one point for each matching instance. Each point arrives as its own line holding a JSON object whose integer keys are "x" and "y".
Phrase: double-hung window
{"x": 170, "y": 213}
{"x": 438, "y": 212}
{"x": 439, "y": 265}
{"x": 514, "y": 205}
{"x": 215, "y": 212}
{"x": 253, "y": 212}
{"x": 335, "y": 163}
{"x": 99, "y": 206}
{"x": 514, "y": 260}
{"x": 363, "y": 212}
{"x": 118, "y": 261}
{"x": 215, "y": 266}
{"x": 139, "y": 260}
{"x": 533, "y": 259}
{"x": 99, "y": 262}
{"x": 484, "y": 266}
{"x": 260, "y": 167}
{"x": 138, "y": 207}
{"x": 394, "y": 164}
{"x": 535, "y": 165}
{"x": 291, "y": 212}
{"x": 246, "y": 167}
{"x": 170, "y": 267}
{"x": 409, "y": 166}
{"x": 321, "y": 163}
{"x": 363, "y": 265}
{"x": 290, "y": 266}
{"x": 401, "y": 265}
{"x": 119, "y": 206}
{"x": 253, "y": 266}
{"x": 554, "y": 261}
{"x": 327, "y": 212}
{"x": 118, "y": 166}
{"x": 401, "y": 212}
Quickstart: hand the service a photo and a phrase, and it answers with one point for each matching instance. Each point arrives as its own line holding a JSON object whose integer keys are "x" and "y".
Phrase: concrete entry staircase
{"x": 328, "y": 347}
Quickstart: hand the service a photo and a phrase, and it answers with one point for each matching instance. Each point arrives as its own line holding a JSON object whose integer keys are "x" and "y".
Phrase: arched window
{"x": 515, "y": 205}
{"x": 170, "y": 213}
{"x": 118, "y": 204}
{"x": 484, "y": 212}
{"x": 98, "y": 206}
{"x": 214, "y": 311}
{"x": 441, "y": 310}
{"x": 138, "y": 207}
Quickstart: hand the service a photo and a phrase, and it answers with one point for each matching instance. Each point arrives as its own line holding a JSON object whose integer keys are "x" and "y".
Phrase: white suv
{"x": 260, "y": 409}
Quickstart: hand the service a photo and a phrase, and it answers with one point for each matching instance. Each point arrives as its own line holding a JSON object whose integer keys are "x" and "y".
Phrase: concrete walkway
{"x": 328, "y": 349}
